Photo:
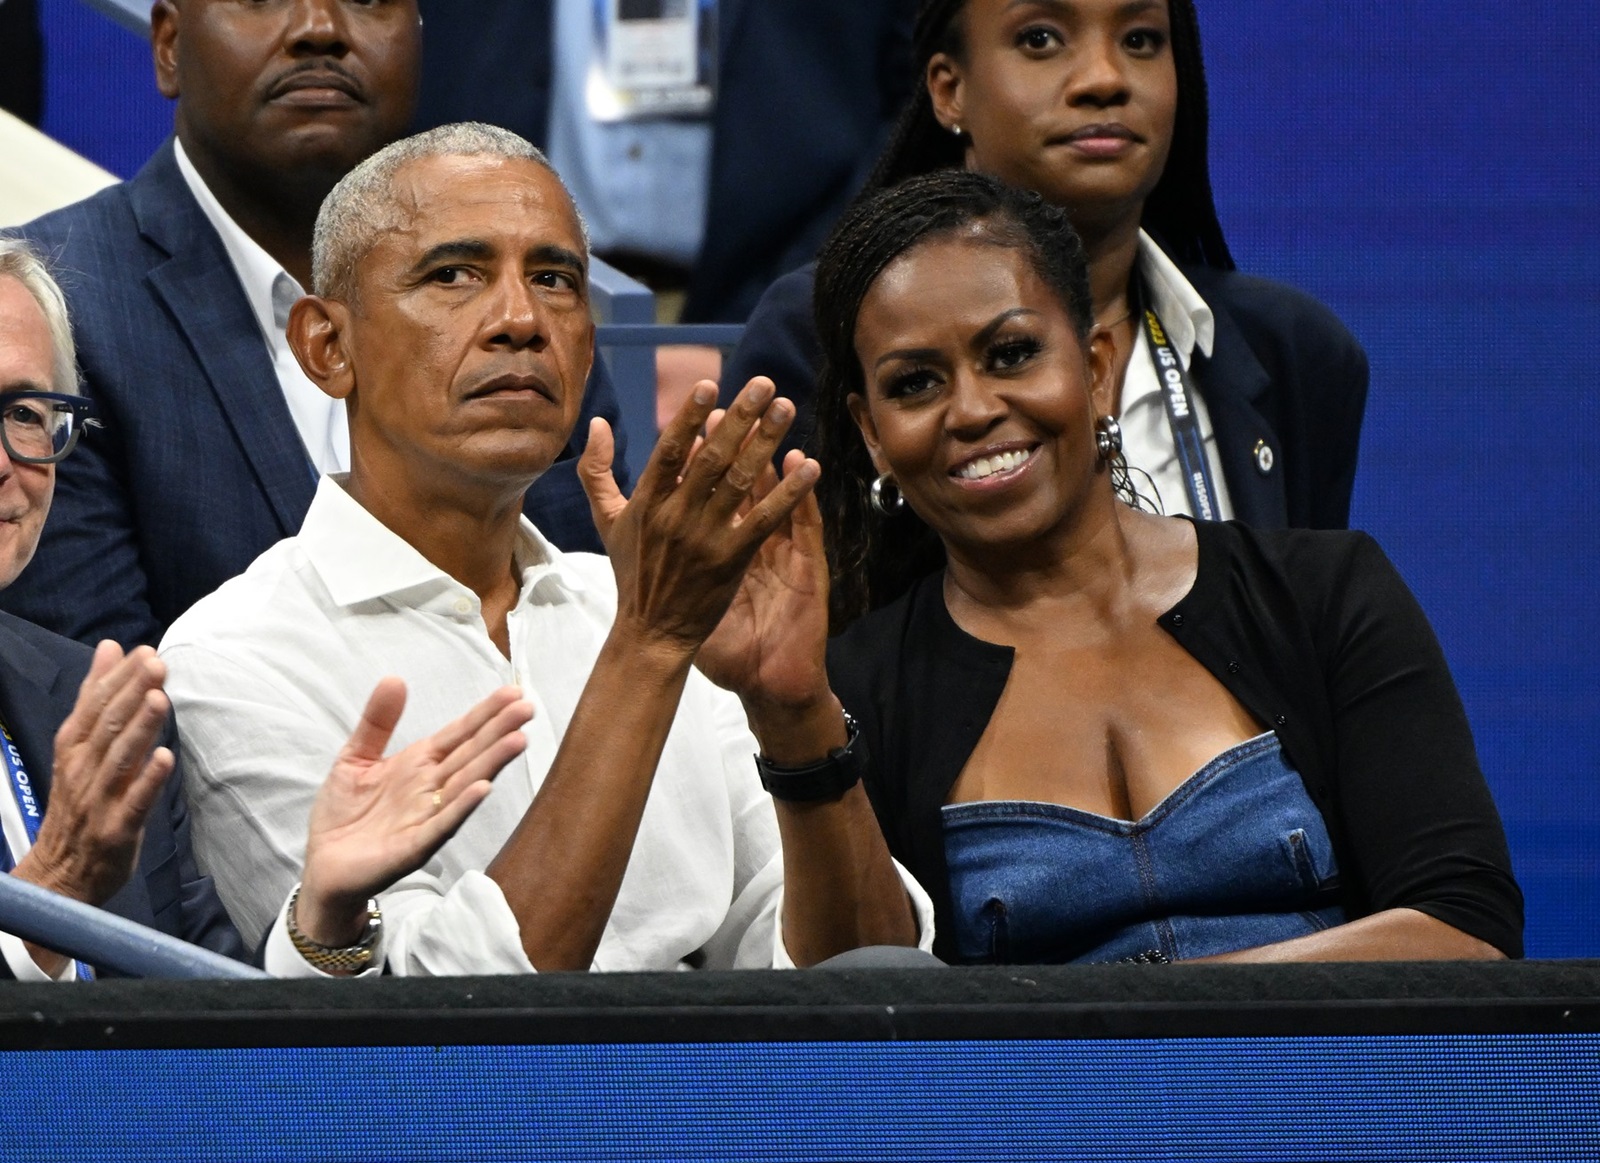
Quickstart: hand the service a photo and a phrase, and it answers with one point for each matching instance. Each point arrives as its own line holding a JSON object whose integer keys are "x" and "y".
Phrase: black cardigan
{"x": 1316, "y": 635}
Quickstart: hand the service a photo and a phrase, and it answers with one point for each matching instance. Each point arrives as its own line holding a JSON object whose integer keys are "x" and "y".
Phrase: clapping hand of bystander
{"x": 107, "y": 774}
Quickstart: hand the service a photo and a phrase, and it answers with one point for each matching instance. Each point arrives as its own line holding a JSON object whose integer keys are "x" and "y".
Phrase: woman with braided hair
{"x": 1237, "y": 397}
{"x": 1094, "y": 733}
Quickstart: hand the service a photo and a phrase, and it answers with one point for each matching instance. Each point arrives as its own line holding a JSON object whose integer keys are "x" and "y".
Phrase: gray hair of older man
{"x": 362, "y": 206}
{"x": 18, "y": 260}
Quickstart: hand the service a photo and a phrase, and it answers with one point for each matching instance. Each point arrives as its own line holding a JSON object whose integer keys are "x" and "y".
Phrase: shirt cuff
{"x": 281, "y": 959}
{"x": 25, "y": 968}
{"x": 470, "y": 929}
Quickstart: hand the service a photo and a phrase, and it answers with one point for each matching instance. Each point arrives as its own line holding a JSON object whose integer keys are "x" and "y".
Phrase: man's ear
{"x": 319, "y": 336}
{"x": 164, "y": 46}
{"x": 946, "y": 89}
{"x": 862, "y": 415}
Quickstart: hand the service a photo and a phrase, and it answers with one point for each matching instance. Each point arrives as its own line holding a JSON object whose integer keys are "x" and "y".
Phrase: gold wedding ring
{"x": 438, "y": 800}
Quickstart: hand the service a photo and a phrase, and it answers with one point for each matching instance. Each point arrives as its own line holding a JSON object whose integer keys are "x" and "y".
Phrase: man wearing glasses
{"x": 79, "y": 732}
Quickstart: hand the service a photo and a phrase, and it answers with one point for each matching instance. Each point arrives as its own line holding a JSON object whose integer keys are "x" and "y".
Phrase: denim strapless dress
{"x": 1236, "y": 856}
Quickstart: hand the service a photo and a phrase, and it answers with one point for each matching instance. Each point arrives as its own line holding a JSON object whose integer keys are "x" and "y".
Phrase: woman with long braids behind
{"x": 1092, "y": 732}
{"x": 1237, "y": 397}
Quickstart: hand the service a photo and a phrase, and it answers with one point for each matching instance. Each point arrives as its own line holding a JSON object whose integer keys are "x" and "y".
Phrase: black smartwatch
{"x": 826, "y": 779}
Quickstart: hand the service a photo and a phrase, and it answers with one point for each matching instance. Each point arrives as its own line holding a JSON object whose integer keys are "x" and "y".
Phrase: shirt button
{"x": 1177, "y": 619}
{"x": 1234, "y": 668}
{"x": 463, "y": 606}
{"x": 1265, "y": 457}
{"x": 1282, "y": 720}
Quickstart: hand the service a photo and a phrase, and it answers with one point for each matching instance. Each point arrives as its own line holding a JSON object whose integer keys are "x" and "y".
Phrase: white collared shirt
{"x": 1147, "y": 441}
{"x": 268, "y": 677}
{"x": 271, "y": 291}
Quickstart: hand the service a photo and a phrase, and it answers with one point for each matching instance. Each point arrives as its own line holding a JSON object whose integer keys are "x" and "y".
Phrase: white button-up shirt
{"x": 271, "y": 291}
{"x": 1147, "y": 441}
{"x": 269, "y": 675}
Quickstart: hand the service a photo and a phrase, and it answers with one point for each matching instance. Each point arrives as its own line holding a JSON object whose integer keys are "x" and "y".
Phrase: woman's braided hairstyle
{"x": 874, "y": 558}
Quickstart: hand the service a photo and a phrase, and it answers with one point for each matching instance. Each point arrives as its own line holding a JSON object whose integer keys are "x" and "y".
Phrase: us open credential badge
{"x": 653, "y": 58}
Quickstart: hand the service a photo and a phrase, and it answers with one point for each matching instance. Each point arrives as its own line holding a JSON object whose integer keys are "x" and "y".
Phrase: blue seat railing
{"x": 105, "y": 940}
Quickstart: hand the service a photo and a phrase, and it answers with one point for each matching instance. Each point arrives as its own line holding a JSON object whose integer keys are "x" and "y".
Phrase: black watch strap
{"x": 828, "y": 778}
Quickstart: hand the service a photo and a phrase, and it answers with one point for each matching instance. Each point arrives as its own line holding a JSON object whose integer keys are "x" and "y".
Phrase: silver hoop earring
{"x": 1108, "y": 446}
{"x": 891, "y": 504}
{"x": 1108, "y": 438}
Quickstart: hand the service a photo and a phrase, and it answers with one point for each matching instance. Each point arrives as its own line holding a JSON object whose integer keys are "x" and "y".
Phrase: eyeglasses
{"x": 42, "y": 427}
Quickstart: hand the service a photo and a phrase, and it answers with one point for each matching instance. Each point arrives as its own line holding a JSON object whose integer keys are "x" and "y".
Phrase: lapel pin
{"x": 1264, "y": 457}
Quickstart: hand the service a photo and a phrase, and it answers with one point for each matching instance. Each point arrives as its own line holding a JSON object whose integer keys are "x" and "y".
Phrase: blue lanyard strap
{"x": 32, "y": 811}
{"x": 22, "y": 787}
{"x": 1178, "y": 395}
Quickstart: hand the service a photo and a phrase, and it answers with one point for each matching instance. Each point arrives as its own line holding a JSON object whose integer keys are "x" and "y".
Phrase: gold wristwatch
{"x": 346, "y": 959}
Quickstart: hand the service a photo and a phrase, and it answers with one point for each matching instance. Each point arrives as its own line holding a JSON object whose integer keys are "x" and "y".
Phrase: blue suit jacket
{"x": 807, "y": 92}
{"x": 39, "y": 677}
{"x": 199, "y": 467}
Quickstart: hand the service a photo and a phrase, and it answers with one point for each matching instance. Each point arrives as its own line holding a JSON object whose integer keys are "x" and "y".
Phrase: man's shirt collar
{"x": 360, "y": 559}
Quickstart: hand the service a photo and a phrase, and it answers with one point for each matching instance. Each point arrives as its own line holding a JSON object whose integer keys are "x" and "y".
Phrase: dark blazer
{"x": 1283, "y": 373}
{"x": 807, "y": 92}
{"x": 39, "y": 677}
{"x": 199, "y": 467}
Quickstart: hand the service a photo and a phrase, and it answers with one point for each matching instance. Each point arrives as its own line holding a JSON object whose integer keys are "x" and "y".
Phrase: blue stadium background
{"x": 1429, "y": 171}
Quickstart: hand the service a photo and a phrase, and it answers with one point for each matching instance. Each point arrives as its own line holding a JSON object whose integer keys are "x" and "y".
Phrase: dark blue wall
{"x": 100, "y": 92}
{"x": 1431, "y": 173}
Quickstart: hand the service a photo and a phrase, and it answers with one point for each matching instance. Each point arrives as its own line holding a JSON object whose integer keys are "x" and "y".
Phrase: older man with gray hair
{"x": 88, "y": 801}
{"x": 93, "y": 805}
{"x": 452, "y": 317}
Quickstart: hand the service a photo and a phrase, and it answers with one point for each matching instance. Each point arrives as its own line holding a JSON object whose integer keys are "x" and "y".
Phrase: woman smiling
{"x": 1237, "y": 397}
{"x": 1097, "y": 733}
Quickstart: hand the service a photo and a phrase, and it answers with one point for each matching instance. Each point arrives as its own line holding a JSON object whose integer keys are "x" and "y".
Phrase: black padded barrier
{"x": 1072, "y": 1002}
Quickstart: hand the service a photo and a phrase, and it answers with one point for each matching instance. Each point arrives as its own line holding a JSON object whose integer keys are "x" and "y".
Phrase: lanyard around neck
{"x": 1178, "y": 395}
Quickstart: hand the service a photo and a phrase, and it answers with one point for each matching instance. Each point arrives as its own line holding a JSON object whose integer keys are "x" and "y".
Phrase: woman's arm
{"x": 1423, "y": 845}
{"x": 841, "y": 888}
{"x": 1392, "y": 935}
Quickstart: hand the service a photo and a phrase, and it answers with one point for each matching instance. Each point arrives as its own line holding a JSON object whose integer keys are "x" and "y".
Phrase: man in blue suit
{"x": 179, "y": 283}
{"x": 806, "y": 93}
